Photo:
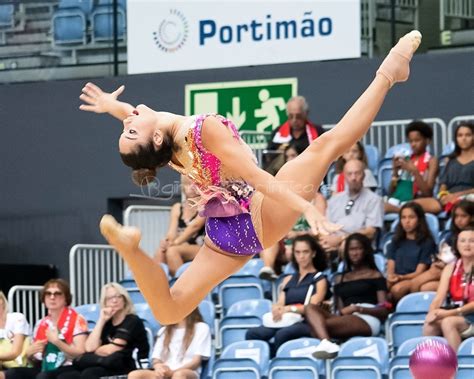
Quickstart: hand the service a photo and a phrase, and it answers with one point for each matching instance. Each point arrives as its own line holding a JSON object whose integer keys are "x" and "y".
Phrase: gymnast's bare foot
{"x": 396, "y": 66}
{"x": 124, "y": 239}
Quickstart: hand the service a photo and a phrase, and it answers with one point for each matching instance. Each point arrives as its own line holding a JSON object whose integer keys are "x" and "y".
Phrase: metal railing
{"x": 153, "y": 222}
{"x": 26, "y": 300}
{"x": 453, "y": 124}
{"x": 90, "y": 267}
{"x": 384, "y": 134}
{"x": 463, "y": 9}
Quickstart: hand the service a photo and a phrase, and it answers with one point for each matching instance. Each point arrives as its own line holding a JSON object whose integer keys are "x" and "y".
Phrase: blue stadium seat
{"x": 91, "y": 312}
{"x": 242, "y": 368}
{"x": 384, "y": 241}
{"x": 302, "y": 348}
{"x": 233, "y": 328}
{"x": 7, "y": 16}
{"x": 408, "y": 319}
{"x": 136, "y": 296}
{"x": 415, "y": 302}
{"x": 355, "y": 368}
{"x": 466, "y": 359}
{"x": 399, "y": 368}
{"x": 128, "y": 283}
{"x": 244, "y": 359}
{"x": 179, "y": 271}
{"x": 365, "y": 357}
{"x": 69, "y": 27}
{"x": 85, "y": 6}
{"x": 252, "y": 267}
{"x": 121, "y": 3}
{"x": 102, "y": 20}
{"x": 289, "y": 269}
{"x": 466, "y": 347}
{"x": 465, "y": 367}
{"x": 399, "y": 364}
{"x": 236, "y": 288}
{"x": 448, "y": 148}
{"x": 300, "y": 368}
{"x": 144, "y": 312}
{"x": 407, "y": 347}
{"x": 254, "y": 307}
{"x": 373, "y": 157}
{"x": 208, "y": 312}
{"x": 431, "y": 220}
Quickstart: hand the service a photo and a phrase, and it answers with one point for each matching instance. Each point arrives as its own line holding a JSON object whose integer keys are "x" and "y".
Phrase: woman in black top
{"x": 360, "y": 295}
{"x": 308, "y": 258}
{"x": 118, "y": 332}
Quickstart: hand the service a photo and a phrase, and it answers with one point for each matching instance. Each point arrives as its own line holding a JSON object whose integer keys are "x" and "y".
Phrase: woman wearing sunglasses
{"x": 58, "y": 337}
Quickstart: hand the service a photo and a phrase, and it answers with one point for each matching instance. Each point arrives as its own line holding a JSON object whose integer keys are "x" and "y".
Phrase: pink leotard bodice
{"x": 221, "y": 195}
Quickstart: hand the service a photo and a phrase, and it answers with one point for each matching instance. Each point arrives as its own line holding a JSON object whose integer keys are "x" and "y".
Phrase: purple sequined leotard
{"x": 224, "y": 201}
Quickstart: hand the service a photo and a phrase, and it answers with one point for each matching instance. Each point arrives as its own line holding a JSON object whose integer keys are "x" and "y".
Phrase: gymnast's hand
{"x": 97, "y": 100}
{"x": 319, "y": 223}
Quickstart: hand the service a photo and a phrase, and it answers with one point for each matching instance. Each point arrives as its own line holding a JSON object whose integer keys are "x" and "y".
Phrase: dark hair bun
{"x": 143, "y": 176}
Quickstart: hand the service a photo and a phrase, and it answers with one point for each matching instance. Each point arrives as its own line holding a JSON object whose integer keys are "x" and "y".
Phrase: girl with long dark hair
{"x": 411, "y": 251}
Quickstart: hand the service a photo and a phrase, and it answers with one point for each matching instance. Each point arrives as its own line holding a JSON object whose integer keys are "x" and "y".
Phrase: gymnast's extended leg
{"x": 306, "y": 172}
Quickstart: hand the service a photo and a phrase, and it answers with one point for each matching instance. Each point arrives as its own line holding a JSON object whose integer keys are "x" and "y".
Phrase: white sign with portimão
{"x": 168, "y": 35}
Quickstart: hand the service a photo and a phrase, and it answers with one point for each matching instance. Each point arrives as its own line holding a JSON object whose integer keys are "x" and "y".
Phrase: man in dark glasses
{"x": 357, "y": 209}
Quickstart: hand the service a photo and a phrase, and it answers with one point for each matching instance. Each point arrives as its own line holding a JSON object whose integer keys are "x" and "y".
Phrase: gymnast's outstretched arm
{"x": 99, "y": 101}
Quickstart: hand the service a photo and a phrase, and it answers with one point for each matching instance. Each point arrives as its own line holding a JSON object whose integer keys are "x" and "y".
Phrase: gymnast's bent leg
{"x": 170, "y": 306}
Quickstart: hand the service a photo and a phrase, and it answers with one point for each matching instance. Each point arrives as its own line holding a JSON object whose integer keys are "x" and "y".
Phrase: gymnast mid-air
{"x": 247, "y": 209}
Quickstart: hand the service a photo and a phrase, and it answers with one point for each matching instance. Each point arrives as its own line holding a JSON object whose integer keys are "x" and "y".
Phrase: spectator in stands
{"x": 14, "y": 332}
{"x": 179, "y": 350}
{"x": 462, "y": 215}
{"x": 297, "y": 130}
{"x": 357, "y": 209}
{"x": 357, "y": 151}
{"x": 58, "y": 337}
{"x": 413, "y": 176}
{"x": 185, "y": 232}
{"x": 457, "y": 178}
{"x": 360, "y": 296}
{"x": 117, "y": 333}
{"x": 411, "y": 251}
{"x": 455, "y": 321}
{"x": 276, "y": 255}
{"x": 309, "y": 261}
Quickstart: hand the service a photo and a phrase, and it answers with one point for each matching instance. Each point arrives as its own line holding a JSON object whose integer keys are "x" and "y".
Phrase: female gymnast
{"x": 247, "y": 209}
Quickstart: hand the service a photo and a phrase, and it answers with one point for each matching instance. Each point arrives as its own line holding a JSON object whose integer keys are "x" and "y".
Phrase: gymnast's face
{"x": 138, "y": 128}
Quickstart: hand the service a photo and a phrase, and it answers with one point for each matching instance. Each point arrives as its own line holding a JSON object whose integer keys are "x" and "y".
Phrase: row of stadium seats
{"x": 71, "y": 20}
{"x": 359, "y": 358}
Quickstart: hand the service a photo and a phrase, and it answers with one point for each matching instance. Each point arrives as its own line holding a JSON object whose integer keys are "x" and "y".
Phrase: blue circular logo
{"x": 172, "y": 32}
